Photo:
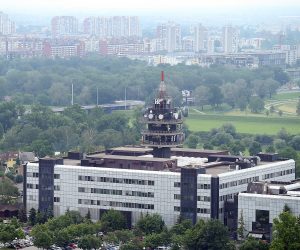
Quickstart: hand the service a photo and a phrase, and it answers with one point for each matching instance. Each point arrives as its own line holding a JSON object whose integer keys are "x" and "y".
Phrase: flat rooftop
{"x": 131, "y": 149}
{"x": 128, "y": 158}
{"x": 220, "y": 164}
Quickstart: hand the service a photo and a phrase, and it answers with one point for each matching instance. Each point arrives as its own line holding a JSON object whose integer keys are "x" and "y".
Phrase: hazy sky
{"x": 207, "y": 11}
{"x": 92, "y": 5}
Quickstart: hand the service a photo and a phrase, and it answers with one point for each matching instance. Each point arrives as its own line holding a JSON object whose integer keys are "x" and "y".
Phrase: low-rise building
{"x": 264, "y": 201}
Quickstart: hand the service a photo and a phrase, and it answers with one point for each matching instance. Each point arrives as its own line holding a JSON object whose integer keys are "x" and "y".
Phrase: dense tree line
{"x": 45, "y": 132}
{"x": 48, "y": 82}
{"x": 149, "y": 232}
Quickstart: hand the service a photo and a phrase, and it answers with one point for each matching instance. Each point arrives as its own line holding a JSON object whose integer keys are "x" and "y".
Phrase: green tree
{"x": 8, "y": 192}
{"x": 279, "y": 144}
{"x": 281, "y": 76}
{"x": 192, "y": 141}
{"x": 89, "y": 242}
{"x": 251, "y": 244}
{"x": 113, "y": 220}
{"x": 150, "y": 223}
{"x": 9, "y": 113}
{"x": 32, "y": 216}
{"x": 62, "y": 238}
{"x": 288, "y": 152}
{"x": 43, "y": 240}
{"x": 154, "y": 240}
{"x": 270, "y": 149}
{"x": 42, "y": 148}
{"x": 295, "y": 142}
{"x": 241, "y": 226}
{"x": 254, "y": 148}
{"x": 9, "y": 232}
{"x": 119, "y": 236}
{"x": 221, "y": 138}
{"x": 207, "y": 235}
{"x": 256, "y": 104}
{"x": 201, "y": 95}
{"x": 215, "y": 97}
{"x": 22, "y": 215}
{"x": 286, "y": 232}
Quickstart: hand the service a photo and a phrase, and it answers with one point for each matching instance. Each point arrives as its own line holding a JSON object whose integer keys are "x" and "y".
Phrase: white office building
{"x": 137, "y": 185}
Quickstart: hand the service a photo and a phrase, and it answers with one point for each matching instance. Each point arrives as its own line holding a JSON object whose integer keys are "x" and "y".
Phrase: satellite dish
{"x": 176, "y": 116}
{"x": 145, "y": 115}
{"x": 160, "y": 117}
{"x": 150, "y": 116}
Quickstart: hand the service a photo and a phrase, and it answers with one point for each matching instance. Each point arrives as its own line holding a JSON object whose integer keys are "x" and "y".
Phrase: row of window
{"x": 116, "y": 180}
{"x": 32, "y": 186}
{"x": 203, "y": 211}
{"x": 32, "y": 174}
{"x": 36, "y": 175}
{"x": 203, "y": 186}
{"x": 48, "y": 198}
{"x": 277, "y": 174}
{"x": 36, "y": 186}
{"x": 203, "y": 198}
{"x": 190, "y": 210}
{"x": 115, "y": 204}
{"x": 239, "y": 182}
{"x": 199, "y": 186}
{"x": 115, "y": 192}
{"x": 227, "y": 197}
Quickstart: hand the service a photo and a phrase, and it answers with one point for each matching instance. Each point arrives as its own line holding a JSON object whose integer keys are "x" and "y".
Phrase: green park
{"x": 266, "y": 122}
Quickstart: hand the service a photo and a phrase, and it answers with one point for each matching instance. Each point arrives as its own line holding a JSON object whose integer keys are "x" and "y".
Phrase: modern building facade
{"x": 264, "y": 201}
{"x": 142, "y": 184}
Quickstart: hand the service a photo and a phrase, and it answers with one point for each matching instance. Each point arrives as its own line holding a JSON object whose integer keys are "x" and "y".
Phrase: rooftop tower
{"x": 163, "y": 124}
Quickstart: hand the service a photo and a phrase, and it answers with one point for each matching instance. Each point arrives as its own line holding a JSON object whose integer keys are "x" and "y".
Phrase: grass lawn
{"x": 288, "y": 107}
{"x": 244, "y": 124}
{"x": 286, "y": 96}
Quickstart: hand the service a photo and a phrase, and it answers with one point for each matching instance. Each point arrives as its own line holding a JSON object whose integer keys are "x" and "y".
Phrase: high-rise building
{"x": 7, "y": 27}
{"x": 64, "y": 25}
{"x": 171, "y": 33}
{"x": 200, "y": 38}
{"x": 116, "y": 26}
{"x": 230, "y": 39}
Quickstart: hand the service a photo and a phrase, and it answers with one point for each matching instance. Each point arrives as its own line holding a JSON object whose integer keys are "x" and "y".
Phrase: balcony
{"x": 161, "y": 144}
{"x": 158, "y": 121}
{"x": 160, "y": 132}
